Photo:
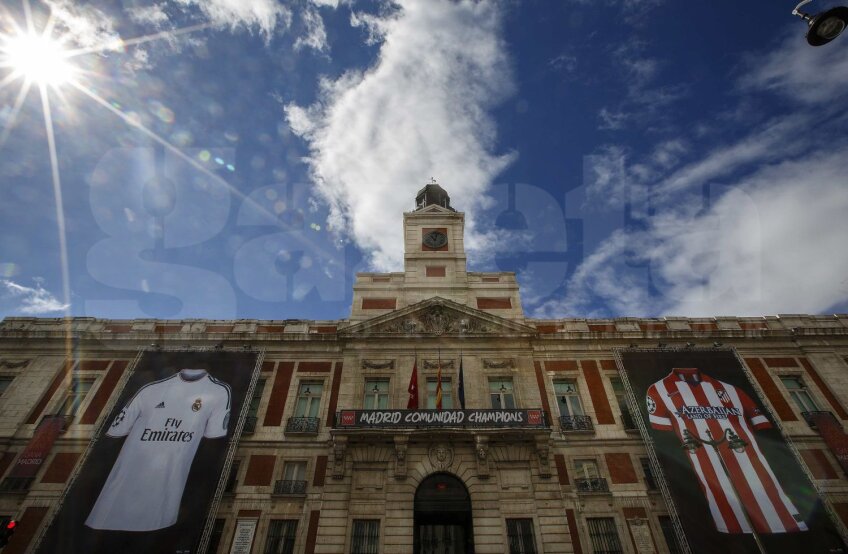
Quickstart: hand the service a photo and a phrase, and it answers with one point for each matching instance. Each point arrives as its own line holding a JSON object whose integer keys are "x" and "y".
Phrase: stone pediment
{"x": 435, "y": 208}
{"x": 439, "y": 316}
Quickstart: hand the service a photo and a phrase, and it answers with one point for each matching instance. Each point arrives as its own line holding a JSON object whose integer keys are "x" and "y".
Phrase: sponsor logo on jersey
{"x": 197, "y": 405}
{"x": 161, "y": 404}
{"x": 708, "y": 412}
{"x": 168, "y": 434}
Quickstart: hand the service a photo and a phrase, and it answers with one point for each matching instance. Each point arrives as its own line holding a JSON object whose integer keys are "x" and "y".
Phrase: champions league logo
{"x": 652, "y": 406}
{"x": 119, "y": 418}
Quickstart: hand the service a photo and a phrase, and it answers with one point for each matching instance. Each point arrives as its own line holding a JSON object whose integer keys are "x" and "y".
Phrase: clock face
{"x": 435, "y": 239}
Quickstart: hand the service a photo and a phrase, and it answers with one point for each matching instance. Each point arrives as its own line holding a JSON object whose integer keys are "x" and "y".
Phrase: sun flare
{"x": 40, "y": 59}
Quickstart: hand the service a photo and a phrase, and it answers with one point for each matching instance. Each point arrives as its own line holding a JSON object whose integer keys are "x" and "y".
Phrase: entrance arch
{"x": 443, "y": 523}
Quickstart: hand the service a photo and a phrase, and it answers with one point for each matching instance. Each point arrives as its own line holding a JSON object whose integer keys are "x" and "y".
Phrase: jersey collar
{"x": 688, "y": 374}
{"x": 192, "y": 375}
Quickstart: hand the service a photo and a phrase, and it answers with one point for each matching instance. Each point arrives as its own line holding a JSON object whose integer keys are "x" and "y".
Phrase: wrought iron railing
{"x": 811, "y": 416}
{"x": 591, "y": 484}
{"x": 286, "y": 486}
{"x": 249, "y": 425}
{"x": 576, "y": 423}
{"x": 303, "y": 425}
{"x": 66, "y": 420}
{"x": 16, "y": 484}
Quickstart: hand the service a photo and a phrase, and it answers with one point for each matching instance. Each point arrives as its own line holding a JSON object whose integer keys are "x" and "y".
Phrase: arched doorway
{"x": 443, "y": 522}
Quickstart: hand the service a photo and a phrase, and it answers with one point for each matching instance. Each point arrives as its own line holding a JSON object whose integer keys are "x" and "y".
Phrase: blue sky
{"x": 668, "y": 158}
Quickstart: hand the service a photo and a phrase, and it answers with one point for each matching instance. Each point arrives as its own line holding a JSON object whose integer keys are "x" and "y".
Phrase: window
{"x": 365, "y": 537}
{"x": 669, "y": 535}
{"x": 568, "y": 397}
{"x": 308, "y": 399}
{"x": 376, "y": 394}
{"x": 519, "y": 532}
{"x": 586, "y": 469}
{"x": 253, "y": 407}
{"x": 281, "y": 536}
{"x": 5, "y": 381}
{"x": 215, "y": 537}
{"x": 621, "y": 399}
{"x": 799, "y": 393}
{"x": 294, "y": 479}
{"x": 650, "y": 482}
{"x": 603, "y": 535}
{"x": 294, "y": 471}
{"x": 74, "y": 397}
{"x": 447, "y": 397}
{"x": 232, "y": 480}
{"x": 500, "y": 391}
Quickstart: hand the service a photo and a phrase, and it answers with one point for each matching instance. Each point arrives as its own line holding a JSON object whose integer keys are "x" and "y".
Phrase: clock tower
{"x": 434, "y": 250}
{"x": 434, "y": 264}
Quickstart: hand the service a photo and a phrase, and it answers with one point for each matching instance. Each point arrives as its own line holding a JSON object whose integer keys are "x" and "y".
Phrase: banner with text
{"x": 149, "y": 480}
{"x": 412, "y": 419}
{"x": 731, "y": 475}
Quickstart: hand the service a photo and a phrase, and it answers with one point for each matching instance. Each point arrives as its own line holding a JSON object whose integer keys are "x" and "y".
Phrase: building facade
{"x": 311, "y": 474}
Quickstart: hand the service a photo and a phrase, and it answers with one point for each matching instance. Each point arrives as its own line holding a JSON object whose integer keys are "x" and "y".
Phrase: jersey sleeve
{"x": 657, "y": 412}
{"x": 124, "y": 421}
{"x": 219, "y": 420}
{"x": 753, "y": 413}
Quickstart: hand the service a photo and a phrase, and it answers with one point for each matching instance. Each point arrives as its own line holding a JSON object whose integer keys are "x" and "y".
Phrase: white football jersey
{"x": 163, "y": 423}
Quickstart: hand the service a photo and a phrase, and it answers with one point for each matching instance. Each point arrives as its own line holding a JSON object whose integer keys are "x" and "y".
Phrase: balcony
{"x": 576, "y": 424}
{"x": 16, "y": 484}
{"x": 64, "y": 421}
{"x": 503, "y": 419}
{"x": 249, "y": 425}
{"x": 591, "y": 485}
{"x": 286, "y": 487}
{"x": 303, "y": 426}
{"x": 812, "y": 416}
{"x": 627, "y": 421}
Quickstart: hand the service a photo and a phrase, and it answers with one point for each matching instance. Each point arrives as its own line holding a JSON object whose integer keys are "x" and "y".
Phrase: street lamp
{"x": 825, "y": 26}
{"x": 692, "y": 443}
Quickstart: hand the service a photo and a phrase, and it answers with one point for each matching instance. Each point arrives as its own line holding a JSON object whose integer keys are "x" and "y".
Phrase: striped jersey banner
{"x": 735, "y": 484}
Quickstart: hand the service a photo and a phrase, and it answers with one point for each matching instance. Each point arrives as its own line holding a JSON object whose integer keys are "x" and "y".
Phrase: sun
{"x": 38, "y": 58}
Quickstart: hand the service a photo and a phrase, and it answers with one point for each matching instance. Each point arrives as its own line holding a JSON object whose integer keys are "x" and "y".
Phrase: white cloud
{"x": 772, "y": 244}
{"x": 84, "y": 25}
{"x": 153, "y": 14}
{"x": 265, "y": 15}
{"x": 644, "y": 102}
{"x": 33, "y": 300}
{"x": 316, "y": 34}
{"x": 796, "y": 70}
{"x": 376, "y": 137}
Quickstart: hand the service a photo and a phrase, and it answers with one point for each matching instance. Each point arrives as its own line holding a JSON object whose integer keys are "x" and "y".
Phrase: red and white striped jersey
{"x": 688, "y": 401}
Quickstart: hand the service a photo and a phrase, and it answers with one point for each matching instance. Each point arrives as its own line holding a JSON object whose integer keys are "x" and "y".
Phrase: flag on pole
{"x": 460, "y": 391}
{"x": 439, "y": 385}
{"x": 412, "y": 403}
